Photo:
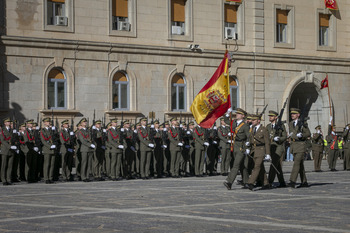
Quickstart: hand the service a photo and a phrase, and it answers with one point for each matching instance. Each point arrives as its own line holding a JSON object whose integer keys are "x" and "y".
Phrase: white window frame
{"x": 290, "y": 35}
{"x": 68, "y": 12}
{"x": 237, "y": 89}
{"x": 119, "y": 83}
{"x": 332, "y": 31}
{"x": 188, "y": 34}
{"x": 176, "y": 85}
{"x": 131, "y": 19}
{"x": 240, "y": 26}
{"x": 55, "y": 81}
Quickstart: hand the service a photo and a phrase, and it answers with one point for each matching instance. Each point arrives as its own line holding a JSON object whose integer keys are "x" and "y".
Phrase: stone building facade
{"x": 132, "y": 57}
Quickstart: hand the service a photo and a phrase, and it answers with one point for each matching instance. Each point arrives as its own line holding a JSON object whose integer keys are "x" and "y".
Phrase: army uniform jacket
{"x": 29, "y": 140}
{"x": 346, "y": 138}
{"x": 223, "y": 134}
{"x": 298, "y": 145}
{"x": 174, "y": 138}
{"x": 199, "y": 137}
{"x": 260, "y": 141}
{"x": 128, "y": 136}
{"x": 157, "y": 137}
{"x": 98, "y": 138}
{"x": 280, "y": 147}
{"x": 114, "y": 139}
{"x": 5, "y": 139}
{"x": 65, "y": 139}
{"x": 317, "y": 142}
{"x": 144, "y": 136}
{"x": 46, "y": 140}
{"x": 85, "y": 140}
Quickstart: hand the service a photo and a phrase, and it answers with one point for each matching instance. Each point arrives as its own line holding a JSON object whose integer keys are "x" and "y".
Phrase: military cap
{"x": 156, "y": 122}
{"x": 249, "y": 116}
{"x": 82, "y": 120}
{"x": 143, "y": 119}
{"x": 273, "y": 113}
{"x": 166, "y": 123}
{"x": 77, "y": 125}
{"x": 318, "y": 127}
{"x": 183, "y": 123}
{"x": 109, "y": 124}
{"x": 191, "y": 123}
{"x": 7, "y": 119}
{"x": 294, "y": 110}
{"x": 34, "y": 124}
{"x": 240, "y": 111}
{"x": 98, "y": 122}
{"x": 66, "y": 121}
{"x": 46, "y": 119}
{"x": 126, "y": 122}
{"x": 22, "y": 125}
{"x": 149, "y": 124}
{"x": 255, "y": 117}
{"x": 222, "y": 118}
{"x": 118, "y": 127}
{"x": 138, "y": 124}
{"x": 115, "y": 120}
{"x": 173, "y": 119}
{"x": 29, "y": 121}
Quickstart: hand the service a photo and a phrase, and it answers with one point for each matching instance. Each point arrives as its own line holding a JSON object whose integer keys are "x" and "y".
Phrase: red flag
{"x": 324, "y": 82}
{"x": 214, "y": 98}
{"x": 331, "y": 4}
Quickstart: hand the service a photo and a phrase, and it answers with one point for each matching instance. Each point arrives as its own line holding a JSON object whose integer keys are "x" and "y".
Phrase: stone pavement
{"x": 179, "y": 205}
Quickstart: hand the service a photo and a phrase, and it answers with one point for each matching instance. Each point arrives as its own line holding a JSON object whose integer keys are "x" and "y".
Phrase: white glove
{"x": 135, "y": 131}
{"x": 121, "y": 147}
{"x": 17, "y": 151}
{"x": 70, "y": 150}
{"x": 333, "y": 132}
{"x": 330, "y": 120}
{"x": 318, "y": 131}
{"x": 347, "y": 128}
{"x": 36, "y": 149}
{"x": 289, "y": 135}
{"x": 92, "y": 146}
{"x": 187, "y": 146}
{"x": 164, "y": 146}
{"x": 93, "y": 127}
{"x": 152, "y": 126}
{"x": 299, "y": 135}
{"x": 13, "y": 147}
{"x": 267, "y": 157}
{"x": 214, "y": 127}
{"x": 122, "y": 129}
{"x": 229, "y": 141}
{"x": 164, "y": 129}
{"x": 151, "y": 145}
{"x": 53, "y": 147}
{"x": 247, "y": 143}
{"x": 71, "y": 133}
{"x": 133, "y": 148}
{"x": 188, "y": 132}
{"x": 53, "y": 128}
{"x": 19, "y": 134}
{"x": 180, "y": 144}
{"x": 206, "y": 144}
{"x": 247, "y": 151}
{"x": 215, "y": 142}
{"x": 103, "y": 147}
{"x": 14, "y": 131}
{"x": 181, "y": 125}
{"x": 229, "y": 134}
{"x": 229, "y": 110}
{"x": 37, "y": 127}
{"x": 276, "y": 139}
{"x": 104, "y": 130}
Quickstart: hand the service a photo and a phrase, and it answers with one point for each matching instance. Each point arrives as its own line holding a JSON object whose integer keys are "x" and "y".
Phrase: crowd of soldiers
{"x": 148, "y": 150}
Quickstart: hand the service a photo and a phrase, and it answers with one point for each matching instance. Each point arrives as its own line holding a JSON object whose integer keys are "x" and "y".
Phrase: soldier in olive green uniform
{"x": 146, "y": 149}
{"x": 346, "y": 138}
{"x": 108, "y": 153}
{"x": 48, "y": 150}
{"x": 225, "y": 143}
{"x": 7, "y": 152}
{"x": 241, "y": 134}
{"x": 332, "y": 141}
{"x": 175, "y": 148}
{"x": 259, "y": 147}
{"x": 99, "y": 153}
{"x": 30, "y": 152}
{"x": 278, "y": 137}
{"x": 212, "y": 150}
{"x": 78, "y": 152}
{"x": 158, "y": 150}
{"x": 116, "y": 149}
{"x": 66, "y": 150}
{"x": 298, "y": 134}
{"x": 166, "y": 154}
{"x": 201, "y": 145}
{"x": 192, "y": 144}
{"x": 86, "y": 149}
{"x": 129, "y": 149}
{"x": 317, "y": 148}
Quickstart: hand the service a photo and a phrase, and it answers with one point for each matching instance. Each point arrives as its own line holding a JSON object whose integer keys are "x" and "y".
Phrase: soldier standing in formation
{"x": 7, "y": 152}
{"x": 346, "y": 138}
{"x": 146, "y": 149}
{"x": 332, "y": 141}
{"x": 317, "y": 148}
{"x": 175, "y": 142}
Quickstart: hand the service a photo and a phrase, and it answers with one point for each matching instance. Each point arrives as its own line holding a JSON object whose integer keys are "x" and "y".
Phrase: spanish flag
{"x": 331, "y": 4}
{"x": 214, "y": 98}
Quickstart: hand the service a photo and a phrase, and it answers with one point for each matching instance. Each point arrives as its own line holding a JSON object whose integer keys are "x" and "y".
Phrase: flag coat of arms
{"x": 324, "y": 83}
{"x": 331, "y": 4}
{"x": 214, "y": 98}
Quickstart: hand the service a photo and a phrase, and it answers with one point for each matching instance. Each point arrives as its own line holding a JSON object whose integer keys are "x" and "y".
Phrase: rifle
{"x": 72, "y": 137}
{"x": 263, "y": 111}
{"x": 279, "y": 123}
{"x": 121, "y": 131}
{"x": 302, "y": 119}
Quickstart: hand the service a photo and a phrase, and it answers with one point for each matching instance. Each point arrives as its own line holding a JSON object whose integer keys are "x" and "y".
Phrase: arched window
{"x": 178, "y": 93}
{"x": 57, "y": 89}
{"x": 234, "y": 93}
{"x": 120, "y": 91}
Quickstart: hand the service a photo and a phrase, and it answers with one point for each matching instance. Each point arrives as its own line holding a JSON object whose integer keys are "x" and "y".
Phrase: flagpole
{"x": 329, "y": 98}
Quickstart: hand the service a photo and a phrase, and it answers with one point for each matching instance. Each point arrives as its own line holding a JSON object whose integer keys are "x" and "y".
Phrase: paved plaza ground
{"x": 179, "y": 205}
